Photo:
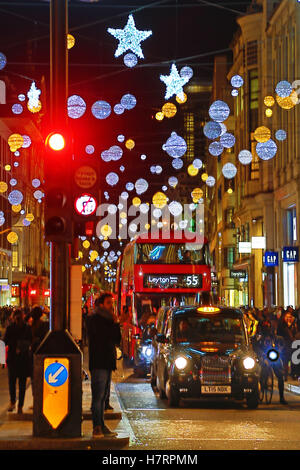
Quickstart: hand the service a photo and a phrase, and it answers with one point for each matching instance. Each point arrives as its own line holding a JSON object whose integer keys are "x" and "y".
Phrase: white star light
{"x": 33, "y": 96}
{"x": 130, "y": 38}
{"x": 174, "y": 83}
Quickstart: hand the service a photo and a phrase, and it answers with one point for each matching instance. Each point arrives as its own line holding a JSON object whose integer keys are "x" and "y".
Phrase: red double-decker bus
{"x": 156, "y": 271}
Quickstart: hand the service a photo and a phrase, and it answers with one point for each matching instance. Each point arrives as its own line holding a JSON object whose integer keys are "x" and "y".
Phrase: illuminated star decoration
{"x": 130, "y": 38}
{"x": 174, "y": 83}
{"x": 33, "y": 96}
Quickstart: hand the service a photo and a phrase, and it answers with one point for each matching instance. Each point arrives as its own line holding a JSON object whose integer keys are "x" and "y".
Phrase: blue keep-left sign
{"x": 56, "y": 374}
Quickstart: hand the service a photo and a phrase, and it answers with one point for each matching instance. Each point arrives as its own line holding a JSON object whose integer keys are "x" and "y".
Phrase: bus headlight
{"x": 147, "y": 351}
{"x": 248, "y": 363}
{"x": 273, "y": 355}
{"x": 180, "y": 362}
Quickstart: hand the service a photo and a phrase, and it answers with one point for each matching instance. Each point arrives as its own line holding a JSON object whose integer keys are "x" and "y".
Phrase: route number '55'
{"x": 192, "y": 280}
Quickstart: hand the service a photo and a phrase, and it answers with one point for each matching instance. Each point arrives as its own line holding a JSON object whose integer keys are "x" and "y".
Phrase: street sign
{"x": 85, "y": 177}
{"x": 56, "y": 390}
{"x": 238, "y": 273}
{"x": 85, "y": 204}
{"x": 290, "y": 254}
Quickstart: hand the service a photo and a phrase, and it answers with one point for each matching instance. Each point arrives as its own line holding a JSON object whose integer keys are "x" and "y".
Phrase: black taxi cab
{"x": 205, "y": 351}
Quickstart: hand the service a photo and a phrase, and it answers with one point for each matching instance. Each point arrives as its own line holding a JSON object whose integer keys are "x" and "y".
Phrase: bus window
{"x": 171, "y": 253}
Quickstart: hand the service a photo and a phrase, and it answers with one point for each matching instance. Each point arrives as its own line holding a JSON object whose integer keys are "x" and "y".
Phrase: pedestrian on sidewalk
{"x": 18, "y": 338}
{"x": 104, "y": 335}
{"x": 39, "y": 329}
{"x": 287, "y": 328}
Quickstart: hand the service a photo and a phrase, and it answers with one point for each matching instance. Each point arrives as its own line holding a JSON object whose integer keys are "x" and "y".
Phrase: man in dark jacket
{"x": 104, "y": 335}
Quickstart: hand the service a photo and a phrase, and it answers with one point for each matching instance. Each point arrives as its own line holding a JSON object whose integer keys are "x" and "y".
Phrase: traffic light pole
{"x": 57, "y": 371}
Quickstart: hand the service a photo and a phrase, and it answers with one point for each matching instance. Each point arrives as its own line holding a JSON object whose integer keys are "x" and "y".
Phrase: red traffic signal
{"x": 56, "y": 141}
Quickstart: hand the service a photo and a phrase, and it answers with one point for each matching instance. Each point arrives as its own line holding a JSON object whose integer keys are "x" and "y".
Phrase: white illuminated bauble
{"x": 186, "y": 72}
{"x": 219, "y": 111}
{"x": 33, "y": 96}
{"x": 266, "y": 150}
{"x": 17, "y": 108}
{"x": 132, "y": 227}
{"x": 215, "y": 148}
{"x": 112, "y": 178}
{"x": 38, "y": 194}
{"x": 158, "y": 169}
{"x": 175, "y": 146}
{"x": 183, "y": 224}
{"x": 121, "y": 138}
{"x": 223, "y": 128}
{"x": 130, "y": 60}
{"x": 16, "y": 164}
{"x": 227, "y": 140}
{"x": 229, "y": 170}
{"x": 210, "y": 181}
{"x": 76, "y": 106}
{"x": 173, "y": 181}
{"x": 129, "y": 186}
{"x": 164, "y": 188}
{"x": 174, "y": 83}
{"x": 122, "y": 168}
{"x": 245, "y": 157}
{"x": 280, "y": 134}
{"x": 212, "y": 130}
{"x": 129, "y": 38}
{"x": 128, "y": 101}
{"x": 177, "y": 163}
{"x": 160, "y": 224}
{"x": 175, "y": 208}
{"x": 2, "y": 220}
{"x": 144, "y": 208}
{"x": 119, "y": 109}
{"x": 15, "y": 197}
{"x": 21, "y": 97}
{"x": 112, "y": 208}
{"x": 101, "y": 109}
{"x": 124, "y": 195}
{"x": 89, "y": 149}
{"x": 157, "y": 213}
{"x": 113, "y": 153}
{"x": 237, "y": 81}
{"x": 197, "y": 163}
{"x": 153, "y": 169}
{"x": 141, "y": 186}
{"x": 3, "y": 60}
{"x": 234, "y": 92}
{"x": 13, "y": 182}
{"x": 283, "y": 89}
{"x": 143, "y": 157}
{"x": 26, "y": 141}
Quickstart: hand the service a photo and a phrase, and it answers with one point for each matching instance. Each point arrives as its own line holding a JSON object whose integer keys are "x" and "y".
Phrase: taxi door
{"x": 164, "y": 353}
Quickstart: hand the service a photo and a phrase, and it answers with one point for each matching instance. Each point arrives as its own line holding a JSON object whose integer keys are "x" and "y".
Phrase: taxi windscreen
{"x": 208, "y": 327}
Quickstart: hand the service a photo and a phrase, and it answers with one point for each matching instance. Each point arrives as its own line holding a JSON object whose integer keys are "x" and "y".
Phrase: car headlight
{"x": 248, "y": 363}
{"x": 147, "y": 351}
{"x": 181, "y": 362}
{"x": 273, "y": 355}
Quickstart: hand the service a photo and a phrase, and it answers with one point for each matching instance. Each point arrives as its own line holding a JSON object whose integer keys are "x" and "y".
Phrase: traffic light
{"x": 85, "y": 189}
{"x": 58, "y": 188}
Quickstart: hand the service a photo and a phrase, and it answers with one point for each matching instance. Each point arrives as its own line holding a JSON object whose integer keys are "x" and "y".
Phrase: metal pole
{"x": 60, "y": 260}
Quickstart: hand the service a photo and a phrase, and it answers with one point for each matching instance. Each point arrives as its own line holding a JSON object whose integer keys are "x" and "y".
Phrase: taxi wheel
{"x": 161, "y": 392}
{"x": 252, "y": 401}
{"x": 173, "y": 397}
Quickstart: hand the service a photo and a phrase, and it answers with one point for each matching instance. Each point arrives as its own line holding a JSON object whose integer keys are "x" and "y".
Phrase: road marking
{"x": 146, "y": 409}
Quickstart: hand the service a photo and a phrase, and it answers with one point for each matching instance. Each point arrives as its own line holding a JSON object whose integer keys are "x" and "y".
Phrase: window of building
{"x": 253, "y": 98}
{"x": 290, "y": 226}
{"x": 254, "y": 165}
{"x": 229, "y": 257}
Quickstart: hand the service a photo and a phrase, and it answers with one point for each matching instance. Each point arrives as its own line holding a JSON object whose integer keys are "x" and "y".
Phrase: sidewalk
{"x": 292, "y": 386}
{"x": 16, "y": 430}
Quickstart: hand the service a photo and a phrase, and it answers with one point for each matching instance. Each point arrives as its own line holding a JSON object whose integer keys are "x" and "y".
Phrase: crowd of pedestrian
{"x": 24, "y": 331}
{"x": 284, "y": 323}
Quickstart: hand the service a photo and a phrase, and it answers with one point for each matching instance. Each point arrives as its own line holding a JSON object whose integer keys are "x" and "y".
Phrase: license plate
{"x": 216, "y": 389}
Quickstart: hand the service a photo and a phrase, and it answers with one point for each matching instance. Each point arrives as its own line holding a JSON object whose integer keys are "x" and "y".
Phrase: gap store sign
{"x": 290, "y": 254}
{"x": 271, "y": 258}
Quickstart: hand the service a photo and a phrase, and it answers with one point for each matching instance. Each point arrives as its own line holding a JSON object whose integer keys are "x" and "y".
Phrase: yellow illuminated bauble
{"x": 136, "y": 201}
{"x": 16, "y": 208}
{"x": 262, "y": 134}
{"x": 147, "y": 226}
{"x": 86, "y": 244}
{"x": 289, "y": 102}
{"x": 80, "y": 255}
{"x": 29, "y": 217}
{"x": 169, "y": 110}
{"x": 7, "y": 168}
{"x": 106, "y": 230}
{"x": 195, "y": 200}
{"x": 179, "y": 100}
{"x": 93, "y": 255}
{"x": 15, "y": 141}
{"x": 269, "y": 101}
{"x": 122, "y": 215}
{"x": 192, "y": 171}
{"x": 197, "y": 193}
{"x": 159, "y": 116}
{"x": 204, "y": 176}
{"x": 130, "y": 144}
{"x": 70, "y": 41}
{"x": 34, "y": 109}
{"x": 230, "y": 190}
{"x": 83, "y": 268}
{"x": 12, "y": 237}
{"x": 159, "y": 200}
{"x": 269, "y": 112}
{"x": 3, "y": 186}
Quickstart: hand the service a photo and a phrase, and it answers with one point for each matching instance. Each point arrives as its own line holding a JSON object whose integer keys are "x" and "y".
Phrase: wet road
{"x": 206, "y": 425}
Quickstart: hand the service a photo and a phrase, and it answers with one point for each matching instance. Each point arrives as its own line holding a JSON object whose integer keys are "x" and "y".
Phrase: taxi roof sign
{"x": 208, "y": 309}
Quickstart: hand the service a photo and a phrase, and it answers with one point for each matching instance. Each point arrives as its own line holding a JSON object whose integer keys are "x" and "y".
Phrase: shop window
{"x": 229, "y": 257}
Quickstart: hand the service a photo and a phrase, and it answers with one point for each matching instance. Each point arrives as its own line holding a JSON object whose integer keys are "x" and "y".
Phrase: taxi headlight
{"x": 181, "y": 362}
{"x": 273, "y": 355}
{"x": 248, "y": 363}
